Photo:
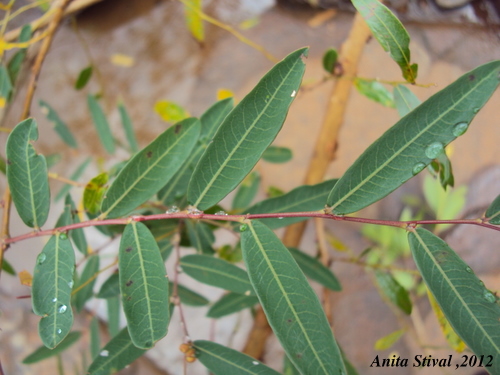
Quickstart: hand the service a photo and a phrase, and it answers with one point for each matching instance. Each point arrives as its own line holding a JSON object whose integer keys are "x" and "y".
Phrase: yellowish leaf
{"x": 193, "y": 19}
{"x": 387, "y": 341}
{"x": 224, "y": 93}
{"x": 170, "y": 111}
{"x": 249, "y": 23}
{"x": 25, "y": 277}
{"x": 336, "y": 243}
{"x": 2, "y": 102}
{"x": 122, "y": 60}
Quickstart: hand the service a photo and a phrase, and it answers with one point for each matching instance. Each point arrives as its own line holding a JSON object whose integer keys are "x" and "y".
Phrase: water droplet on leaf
{"x": 255, "y": 363}
{"x": 41, "y": 258}
{"x": 490, "y": 297}
{"x": 468, "y": 269}
{"x": 293, "y": 94}
{"x": 476, "y": 110}
{"x": 172, "y": 210}
{"x": 104, "y": 353}
{"x": 63, "y": 236}
{"x": 434, "y": 150}
{"x": 71, "y": 283}
{"x": 417, "y": 168}
{"x": 460, "y": 129}
{"x": 194, "y": 211}
{"x": 280, "y": 218}
{"x": 54, "y": 299}
{"x": 243, "y": 227}
{"x": 59, "y": 331}
{"x": 221, "y": 213}
{"x": 62, "y": 309}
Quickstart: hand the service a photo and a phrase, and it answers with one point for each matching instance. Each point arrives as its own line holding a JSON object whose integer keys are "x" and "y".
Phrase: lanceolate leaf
{"x": 43, "y": 352}
{"x": 210, "y": 121}
{"x": 291, "y": 306}
{"x": 245, "y": 133}
{"x": 27, "y": 175}
{"x": 111, "y": 287}
{"x": 83, "y": 77}
{"x": 117, "y": 354}
{"x": 390, "y": 33}
{"x": 15, "y": 63}
{"x": 277, "y": 155}
{"x": 418, "y": 138}
{"x": 77, "y": 235}
{"x": 5, "y": 86}
{"x": 143, "y": 285}
{"x": 394, "y": 291}
{"x": 375, "y": 91}
{"x": 51, "y": 290}
{"x": 493, "y": 211}
{"x": 315, "y": 270}
{"x": 201, "y": 236}
{"x": 246, "y": 191}
{"x": 303, "y": 198}
{"x": 151, "y": 168}
{"x": 128, "y": 127}
{"x": 114, "y": 313}
{"x": 472, "y": 310}
{"x": 86, "y": 282}
{"x": 188, "y": 297}
{"x": 101, "y": 125}
{"x": 216, "y": 272}
{"x": 231, "y": 303}
{"x": 193, "y": 20}
{"x": 222, "y": 360}
{"x": 405, "y": 100}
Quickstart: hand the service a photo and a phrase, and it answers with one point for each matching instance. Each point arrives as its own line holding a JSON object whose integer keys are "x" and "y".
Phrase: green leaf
{"x": 193, "y": 20}
{"x": 114, "y": 313}
{"x": 390, "y": 33}
{"x": 245, "y": 133}
{"x": 375, "y": 91}
{"x": 493, "y": 211}
{"x": 150, "y": 169}
{"x": 166, "y": 248}
{"x": 7, "y": 267}
{"x": 216, "y": 272}
{"x": 77, "y": 235}
{"x": 111, "y": 287}
{"x": 143, "y": 285}
{"x": 231, "y": 303}
{"x": 5, "y": 86}
{"x": 222, "y": 360}
{"x": 16, "y": 61}
{"x": 43, "y": 352}
{"x": 246, "y": 191}
{"x": 3, "y": 165}
{"x": 52, "y": 160}
{"x": 75, "y": 176}
{"x": 95, "y": 337}
{"x": 83, "y": 77}
{"x": 59, "y": 126}
{"x": 128, "y": 128}
{"x": 27, "y": 175}
{"x": 210, "y": 121}
{"x": 386, "y": 342}
{"x": 442, "y": 169}
{"x": 51, "y": 290}
{"x": 288, "y": 367}
{"x": 101, "y": 124}
{"x": 85, "y": 285}
{"x": 351, "y": 370}
{"x": 405, "y": 100}
{"x": 330, "y": 60}
{"x": 93, "y": 194}
{"x": 200, "y": 236}
{"x": 290, "y": 304}
{"x": 277, "y": 155}
{"x": 472, "y": 310}
{"x": 303, "y": 198}
{"x": 394, "y": 291}
{"x": 315, "y": 270}
{"x": 188, "y": 297}
{"x": 418, "y": 138}
{"x": 117, "y": 354}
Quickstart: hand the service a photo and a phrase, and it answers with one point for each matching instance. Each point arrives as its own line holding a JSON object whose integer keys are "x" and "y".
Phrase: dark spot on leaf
{"x": 9, "y": 162}
{"x": 129, "y": 298}
{"x": 289, "y": 320}
{"x": 177, "y": 128}
{"x": 472, "y": 77}
{"x": 128, "y": 283}
{"x": 149, "y": 154}
{"x": 128, "y": 249}
{"x": 298, "y": 355}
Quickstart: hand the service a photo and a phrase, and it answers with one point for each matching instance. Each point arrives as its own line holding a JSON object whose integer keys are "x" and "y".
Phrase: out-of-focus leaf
{"x": 394, "y": 291}
{"x": 150, "y": 169}
{"x": 52, "y": 160}
{"x": 442, "y": 169}
{"x": 27, "y": 175}
{"x": 128, "y": 128}
{"x": 493, "y": 211}
{"x": 418, "y": 138}
{"x": 170, "y": 111}
{"x": 193, "y": 20}
{"x": 288, "y": 367}
{"x": 277, "y": 155}
{"x": 43, "y": 352}
{"x": 7, "y": 267}
{"x": 94, "y": 193}
{"x": 246, "y": 191}
{"x": 111, "y": 287}
{"x": 231, "y": 303}
{"x": 83, "y": 77}
{"x": 85, "y": 285}
{"x": 245, "y": 133}
{"x": 16, "y": 61}
{"x": 375, "y": 91}
{"x": 122, "y": 60}
{"x": 224, "y": 94}
{"x": 386, "y": 342}
{"x": 114, "y": 311}
{"x": 188, "y": 297}
{"x": 5, "y": 86}
{"x": 200, "y": 236}
{"x": 101, "y": 124}
{"x": 74, "y": 176}
{"x": 51, "y": 291}
{"x": 77, "y": 235}
{"x": 405, "y": 100}
{"x": 330, "y": 60}
{"x": 3, "y": 166}
{"x": 95, "y": 338}
{"x": 143, "y": 286}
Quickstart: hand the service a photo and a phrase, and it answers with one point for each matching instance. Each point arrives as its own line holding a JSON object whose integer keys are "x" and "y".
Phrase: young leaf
{"x": 390, "y": 33}
{"x": 94, "y": 193}
{"x": 247, "y": 191}
{"x": 222, "y": 360}
{"x": 472, "y": 310}
{"x": 7, "y": 267}
{"x": 303, "y": 198}
{"x": 193, "y": 19}
{"x": 85, "y": 285}
{"x": 493, "y": 211}
{"x": 210, "y": 121}
{"x": 117, "y": 354}
{"x": 230, "y": 304}
{"x": 95, "y": 337}
{"x": 150, "y": 169}
{"x": 111, "y": 287}
{"x": 277, "y": 155}
{"x": 405, "y": 100}
{"x": 386, "y": 342}
{"x": 128, "y": 128}
{"x": 315, "y": 270}
{"x": 394, "y": 291}
{"x": 15, "y": 63}
{"x": 43, "y": 352}
{"x": 188, "y": 297}
{"x": 27, "y": 175}
{"x": 375, "y": 91}
{"x": 291, "y": 306}
{"x": 51, "y": 291}
{"x": 245, "y": 133}
{"x": 418, "y": 138}
{"x": 330, "y": 60}
{"x": 75, "y": 176}
{"x": 59, "y": 126}
{"x": 83, "y": 77}
{"x": 101, "y": 125}
{"x": 143, "y": 285}
{"x": 216, "y": 272}
{"x": 170, "y": 111}
{"x": 200, "y": 236}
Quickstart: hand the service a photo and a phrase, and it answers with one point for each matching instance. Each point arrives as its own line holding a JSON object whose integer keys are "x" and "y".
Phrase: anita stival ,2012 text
{"x": 429, "y": 361}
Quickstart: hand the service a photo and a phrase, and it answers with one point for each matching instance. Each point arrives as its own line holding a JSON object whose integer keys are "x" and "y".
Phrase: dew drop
{"x": 104, "y": 353}
{"x": 490, "y": 297}
{"x": 468, "y": 269}
{"x": 417, "y": 168}
{"x": 54, "y": 299}
{"x": 62, "y": 309}
{"x": 41, "y": 258}
{"x": 434, "y": 150}
{"x": 172, "y": 210}
{"x": 293, "y": 94}
{"x": 193, "y": 211}
{"x": 243, "y": 227}
{"x": 476, "y": 110}
{"x": 71, "y": 283}
{"x": 63, "y": 236}
{"x": 460, "y": 129}
{"x": 255, "y": 363}
{"x": 221, "y": 213}
{"x": 59, "y": 331}
{"x": 280, "y": 218}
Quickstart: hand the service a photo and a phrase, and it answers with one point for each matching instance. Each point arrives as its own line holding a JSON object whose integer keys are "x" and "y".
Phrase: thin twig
{"x": 55, "y": 176}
